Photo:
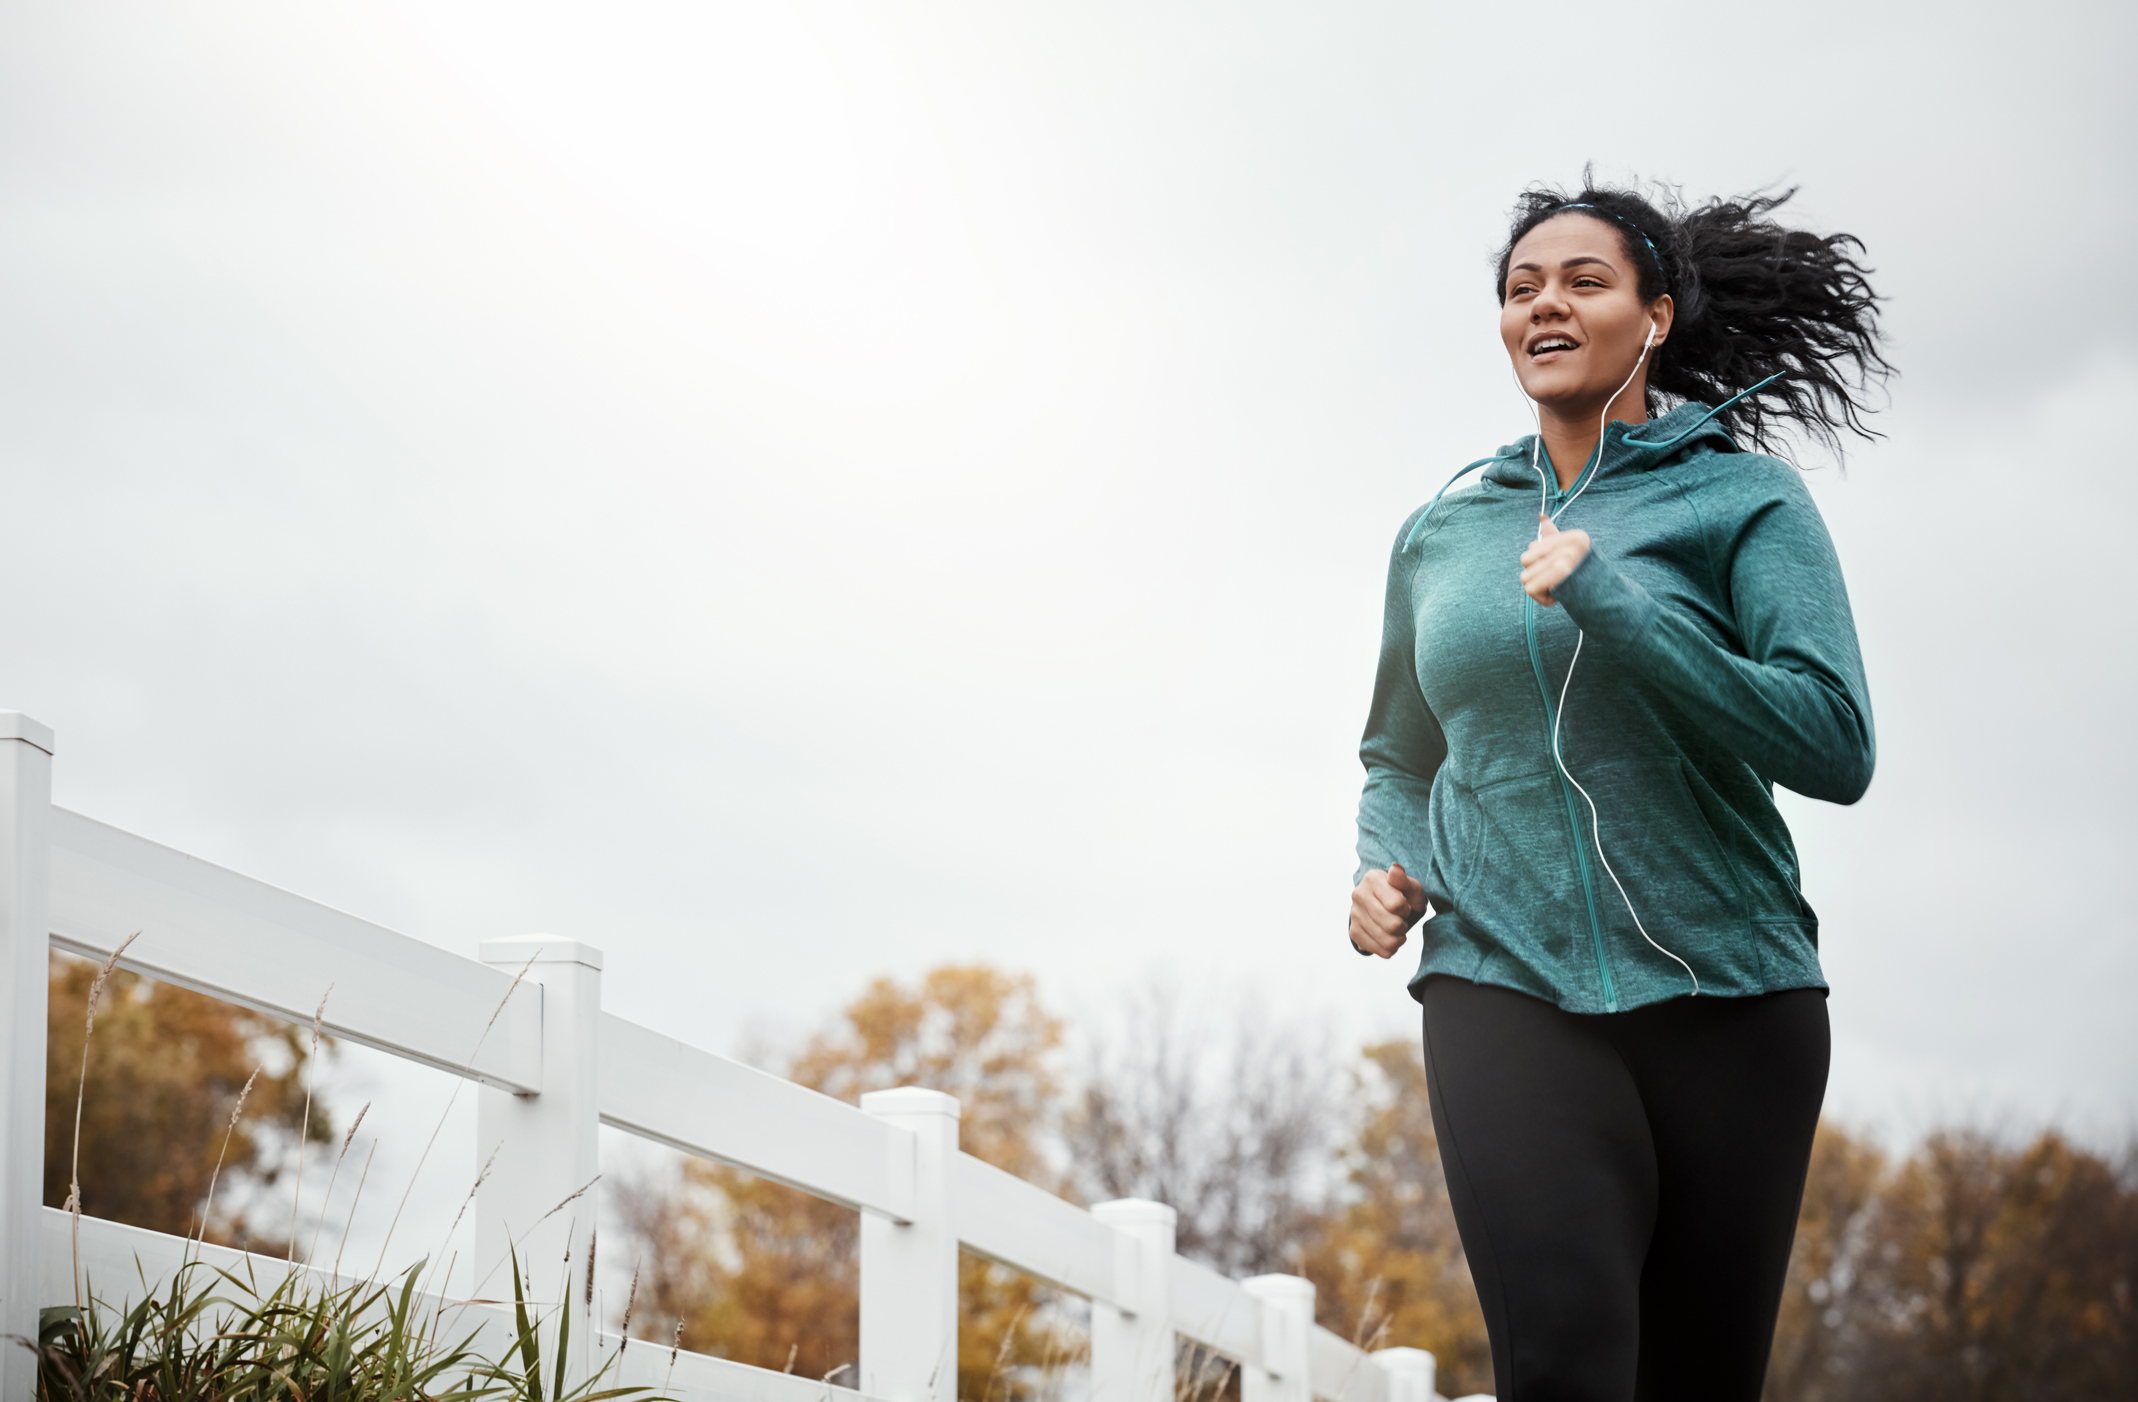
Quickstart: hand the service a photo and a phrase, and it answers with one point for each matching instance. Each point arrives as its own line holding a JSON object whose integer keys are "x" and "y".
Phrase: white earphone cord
{"x": 1596, "y": 822}
{"x": 1580, "y": 637}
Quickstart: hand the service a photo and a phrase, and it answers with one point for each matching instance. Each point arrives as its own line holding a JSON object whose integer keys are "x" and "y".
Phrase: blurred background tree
{"x": 1385, "y": 1258}
{"x": 1819, "y": 1313}
{"x": 165, "y": 1069}
{"x": 1972, "y": 1267}
{"x": 762, "y": 1274}
{"x": 1223, "y": 1113}
{"x": 1282, "y": 1154}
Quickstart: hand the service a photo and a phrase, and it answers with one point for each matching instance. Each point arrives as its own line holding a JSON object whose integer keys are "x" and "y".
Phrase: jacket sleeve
{"x": 1793, "y": 704}
{"x": 1403, "y": 747}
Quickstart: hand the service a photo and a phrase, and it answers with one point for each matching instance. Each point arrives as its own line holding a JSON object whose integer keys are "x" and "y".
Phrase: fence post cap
{"x": 910, "y": 1100}
{"x": 542, "y": 949}
{"x": 1279, "y": 1287}
{"x": 1393, "y": 1358}
{"x": 1127, "y": 1212}
{"x": 14, "y": 725}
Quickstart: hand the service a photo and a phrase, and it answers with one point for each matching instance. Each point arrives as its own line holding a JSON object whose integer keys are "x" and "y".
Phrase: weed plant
{"x": 213, "y": 1335}
{"x": 209, "y": 1334}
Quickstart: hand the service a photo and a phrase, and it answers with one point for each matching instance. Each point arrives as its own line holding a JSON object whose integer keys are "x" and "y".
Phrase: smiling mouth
{"x": 1551, "y": 345}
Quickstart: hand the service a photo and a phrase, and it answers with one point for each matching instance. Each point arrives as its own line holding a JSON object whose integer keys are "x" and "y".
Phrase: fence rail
{"x": 709, "y": 1106}
{"x": 250, "y": 943}
{"x": 525, "y": 1021}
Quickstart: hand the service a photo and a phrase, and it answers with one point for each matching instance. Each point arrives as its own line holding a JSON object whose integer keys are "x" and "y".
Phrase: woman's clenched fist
{"x": 1550, "y": 558}
{"x": 1384, "y": 905}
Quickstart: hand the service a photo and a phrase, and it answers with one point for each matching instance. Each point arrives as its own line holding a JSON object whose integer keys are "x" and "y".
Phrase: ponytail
{"x": 1753, "y": 299}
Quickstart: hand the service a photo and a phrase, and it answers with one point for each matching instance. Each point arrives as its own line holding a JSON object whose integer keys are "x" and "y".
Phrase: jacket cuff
{"x": 1604, "y": 603}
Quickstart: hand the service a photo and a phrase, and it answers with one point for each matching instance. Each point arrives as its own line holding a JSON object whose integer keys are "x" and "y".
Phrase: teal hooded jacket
{"x": 1718, "y": 658}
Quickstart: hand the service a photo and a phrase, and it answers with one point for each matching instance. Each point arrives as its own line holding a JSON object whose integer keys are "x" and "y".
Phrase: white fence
{"x": 553, "y": 1067}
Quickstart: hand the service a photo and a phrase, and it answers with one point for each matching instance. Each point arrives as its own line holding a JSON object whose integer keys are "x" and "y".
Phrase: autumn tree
{"x": 1970, "y": 1270}
{"x": 1822, "y": 1312}
{"x": 1387, "y": 1262}
{"x": 1277, "y": 1161}
{"x": 762, "y": 1274}
{"x": 1231, "y": 1126}
{"x": 1967, "y": 1270}
{"x": 166, "y": 1067}
{"x": 1995, "y": 1272}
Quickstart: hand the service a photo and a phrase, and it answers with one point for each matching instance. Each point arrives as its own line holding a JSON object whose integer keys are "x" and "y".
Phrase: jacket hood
{"x": 1685, "y": 431}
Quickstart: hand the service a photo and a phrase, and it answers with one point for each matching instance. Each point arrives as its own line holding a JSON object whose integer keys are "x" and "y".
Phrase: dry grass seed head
{"x": 304, "y": 1130}
{"x": 345, "y": 1139}
{"x": 96, "y": 986}
{"x": 675, "y": 1346}
{"x": 568, "y": 1199}
{"x": 230, "y": 1129}
{"x": 81, "y": 1093}
{"x": 630, "y": 1302}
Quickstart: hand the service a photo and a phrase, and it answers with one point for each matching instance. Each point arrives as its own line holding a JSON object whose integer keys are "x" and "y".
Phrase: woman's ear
{"x": 1661, "y": 313}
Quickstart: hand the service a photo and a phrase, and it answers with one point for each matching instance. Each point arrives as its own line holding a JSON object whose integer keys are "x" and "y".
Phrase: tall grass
{"x": 213, "y": 1335}
{"x": 81, "y": 1092}
{"x": 209, "y": 1334}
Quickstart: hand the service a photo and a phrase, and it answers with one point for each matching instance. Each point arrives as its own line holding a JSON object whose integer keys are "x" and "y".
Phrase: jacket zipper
{"x": 1573, "y": 815}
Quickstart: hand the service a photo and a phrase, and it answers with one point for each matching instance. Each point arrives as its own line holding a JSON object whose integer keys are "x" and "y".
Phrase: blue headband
{"x": 1652, "y": 250}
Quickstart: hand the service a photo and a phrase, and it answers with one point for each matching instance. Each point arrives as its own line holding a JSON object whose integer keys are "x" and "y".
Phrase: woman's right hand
{"x": 1384, "y": 905}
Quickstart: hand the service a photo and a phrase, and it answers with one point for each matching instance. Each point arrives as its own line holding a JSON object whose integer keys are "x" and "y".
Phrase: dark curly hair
{"x": 1752, "y": 298}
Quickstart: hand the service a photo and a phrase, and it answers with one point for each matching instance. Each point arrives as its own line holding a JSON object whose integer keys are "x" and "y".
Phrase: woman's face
{"x": 1573, "y": 321}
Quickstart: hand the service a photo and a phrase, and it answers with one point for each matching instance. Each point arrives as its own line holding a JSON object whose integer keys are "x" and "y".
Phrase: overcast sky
{"x": 792, "y": 493}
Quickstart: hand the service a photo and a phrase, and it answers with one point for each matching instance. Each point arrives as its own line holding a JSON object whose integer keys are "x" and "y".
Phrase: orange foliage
{"x": 1971, "y": 1270}
{"x": 165, "y": 1069}
{"x": 766, "y": 1275}
{"x": 1840, "y": 1192}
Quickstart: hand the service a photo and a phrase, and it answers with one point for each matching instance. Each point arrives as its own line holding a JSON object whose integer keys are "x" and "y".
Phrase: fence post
{"x": 909, "y": 1270}
{"x": 1287, "y": 1323}
{"x": 25, "y": 938}
{"x": 1132, "y": 1348}
{"x": 1410, "y": 1373}
{"x": 547, "y": 1146}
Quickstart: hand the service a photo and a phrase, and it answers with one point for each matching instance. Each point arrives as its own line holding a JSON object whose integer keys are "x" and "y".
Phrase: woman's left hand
{"x": 1550, "y": 558}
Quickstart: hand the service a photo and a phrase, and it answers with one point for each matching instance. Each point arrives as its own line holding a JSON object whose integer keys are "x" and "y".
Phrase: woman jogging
{"x": 1597, "y": 659}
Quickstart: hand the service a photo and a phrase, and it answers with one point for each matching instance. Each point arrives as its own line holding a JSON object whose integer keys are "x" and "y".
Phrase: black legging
{"x": 1627, "y": 1184}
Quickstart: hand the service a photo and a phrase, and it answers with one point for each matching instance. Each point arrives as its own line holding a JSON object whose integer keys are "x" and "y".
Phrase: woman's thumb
{"x": 1395, "y": 873}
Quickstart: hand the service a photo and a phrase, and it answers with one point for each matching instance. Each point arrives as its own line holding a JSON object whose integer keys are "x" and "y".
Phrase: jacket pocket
{"x": 1657, "y": 841}
{"x": 1507, "y": 852}
{"x": 1756, "y": 843}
